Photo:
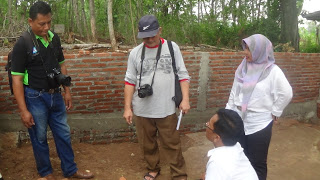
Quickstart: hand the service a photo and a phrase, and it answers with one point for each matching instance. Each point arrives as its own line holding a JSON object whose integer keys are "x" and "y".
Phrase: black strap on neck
{"x": 36, "y": 45}
{"x": 157, "y": 58}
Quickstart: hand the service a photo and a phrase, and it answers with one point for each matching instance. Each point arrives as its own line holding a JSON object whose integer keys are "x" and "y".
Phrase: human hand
{"x": 203, "y": 176}
{"x": 275, "y": 119}
{"x": 68, "y": 101}
{"x": 184, "y": 106}
{"x": 127, "y": 115}
{"x": 27, "y": 119}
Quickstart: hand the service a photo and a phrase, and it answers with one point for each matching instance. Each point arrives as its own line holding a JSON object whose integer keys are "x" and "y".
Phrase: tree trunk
{"x": 224, "y": 16}
{"x": 84, "y": 20}
{"x": 76, "y": 12}
{"x": 212, "y": 8}
{"x": 289, "y": 23}
{"x": 71, "y": 27}
{"x": 139, "y": 7}
{"x": 252, "y": 11}
{"x": 233, "y": 11}
{"x": 239, "y": 13}
{"x": 93, "y": 21}
{"x": 191, "y": 7}
{"x": 110, "y": 24}
{"x": 259, "y": 10}
{"x": 9, "y": 13}
{"x": 131, "y": 17}
{"x": 198, "y": 11}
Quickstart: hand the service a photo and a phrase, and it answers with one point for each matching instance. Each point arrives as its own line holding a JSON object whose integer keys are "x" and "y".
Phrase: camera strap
{"x": 157, "y": 58}
{"x": 37, "y": 48}
{"x": 36, "y": 45}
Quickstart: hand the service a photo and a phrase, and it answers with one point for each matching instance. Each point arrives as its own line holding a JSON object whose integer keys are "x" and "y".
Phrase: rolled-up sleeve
{"x": 181, "y": 68}
{"x": 131, "y": 73}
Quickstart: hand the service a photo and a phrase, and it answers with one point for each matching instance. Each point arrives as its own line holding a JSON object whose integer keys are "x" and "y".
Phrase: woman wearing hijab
{"x": 259, "y": 94}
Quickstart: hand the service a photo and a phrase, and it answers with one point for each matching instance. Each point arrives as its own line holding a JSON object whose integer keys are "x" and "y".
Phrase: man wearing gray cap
{"x": 149, "y": 87}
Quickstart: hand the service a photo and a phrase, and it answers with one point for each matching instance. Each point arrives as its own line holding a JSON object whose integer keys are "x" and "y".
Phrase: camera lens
{"x": 64, "y": 80}
{"x": 145, "y": 90}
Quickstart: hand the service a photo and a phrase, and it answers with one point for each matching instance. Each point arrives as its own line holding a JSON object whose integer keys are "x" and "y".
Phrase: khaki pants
{"x": 147, "y": 129}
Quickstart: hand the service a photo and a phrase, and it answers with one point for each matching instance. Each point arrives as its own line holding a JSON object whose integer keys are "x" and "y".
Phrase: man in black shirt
{"x": 37, "y": 91}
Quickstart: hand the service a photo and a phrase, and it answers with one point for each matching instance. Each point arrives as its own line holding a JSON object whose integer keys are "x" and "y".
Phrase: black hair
{"x": 229, "y": 126}
{"x": 39, "y": 7}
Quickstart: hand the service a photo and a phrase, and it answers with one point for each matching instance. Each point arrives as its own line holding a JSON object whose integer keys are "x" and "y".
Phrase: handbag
{"x": 177, "y": 98}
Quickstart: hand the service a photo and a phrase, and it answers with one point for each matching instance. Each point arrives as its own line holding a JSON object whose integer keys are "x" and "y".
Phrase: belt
{"x": 50, "y": 91}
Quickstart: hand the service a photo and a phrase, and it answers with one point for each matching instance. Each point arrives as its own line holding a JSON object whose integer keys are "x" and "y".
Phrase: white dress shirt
{"x": 229, "y": 163}
{"x": 269, "y": 97}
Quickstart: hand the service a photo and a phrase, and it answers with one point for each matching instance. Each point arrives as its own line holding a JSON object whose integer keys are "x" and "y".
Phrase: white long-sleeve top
{"x": 269, "y": 97}
{"x": 229, "y": 163}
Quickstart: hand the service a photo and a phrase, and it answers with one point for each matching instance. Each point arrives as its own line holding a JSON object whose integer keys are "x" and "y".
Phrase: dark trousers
{"x": 256, "y": 148}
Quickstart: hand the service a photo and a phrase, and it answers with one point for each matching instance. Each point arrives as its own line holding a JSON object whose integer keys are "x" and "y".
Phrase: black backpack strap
{"x": 172, "y": 57}
{"x": 31, "y": 41}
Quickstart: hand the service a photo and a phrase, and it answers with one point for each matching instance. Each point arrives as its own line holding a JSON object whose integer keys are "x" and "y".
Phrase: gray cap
{"x": 148, "y": 26}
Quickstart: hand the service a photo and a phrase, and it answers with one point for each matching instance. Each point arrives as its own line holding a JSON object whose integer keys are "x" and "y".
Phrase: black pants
{"x": 256, "y": 148}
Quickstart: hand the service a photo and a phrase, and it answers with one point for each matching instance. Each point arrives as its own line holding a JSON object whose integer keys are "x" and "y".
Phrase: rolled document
{"x": 179, "y": 119}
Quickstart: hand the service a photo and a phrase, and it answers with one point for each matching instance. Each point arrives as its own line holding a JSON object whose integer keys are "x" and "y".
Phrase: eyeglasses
{"x": 207, "y": 125}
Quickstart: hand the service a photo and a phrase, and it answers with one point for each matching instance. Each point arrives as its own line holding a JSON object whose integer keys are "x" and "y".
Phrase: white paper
{"x": 179, "y": 120}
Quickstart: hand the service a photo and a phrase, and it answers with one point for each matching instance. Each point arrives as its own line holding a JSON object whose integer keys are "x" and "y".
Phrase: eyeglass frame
{"x": 207, "y": 125}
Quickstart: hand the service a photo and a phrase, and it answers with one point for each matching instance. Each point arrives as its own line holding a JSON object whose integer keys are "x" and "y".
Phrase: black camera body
{"x": 145, "y": 90}
{"x": 56, "y": 78}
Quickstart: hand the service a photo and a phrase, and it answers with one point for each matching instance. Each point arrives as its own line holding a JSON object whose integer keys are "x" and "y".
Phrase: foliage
{"x": 222, "y": 23}
{"x": 308, "y": 40}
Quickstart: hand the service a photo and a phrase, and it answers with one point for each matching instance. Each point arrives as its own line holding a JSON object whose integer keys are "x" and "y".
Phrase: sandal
{"x": 150, "y": 176}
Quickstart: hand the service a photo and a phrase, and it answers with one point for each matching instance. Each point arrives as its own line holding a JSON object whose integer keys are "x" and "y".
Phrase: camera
{"x": 145, "y": 90}
{"x": 56, "y": 78}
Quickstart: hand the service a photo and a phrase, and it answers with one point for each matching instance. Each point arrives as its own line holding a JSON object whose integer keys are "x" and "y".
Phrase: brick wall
{"x": 97, "y": 79}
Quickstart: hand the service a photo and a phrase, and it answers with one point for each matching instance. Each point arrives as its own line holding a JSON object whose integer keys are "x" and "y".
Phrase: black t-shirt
{"x": 28, "y": 62}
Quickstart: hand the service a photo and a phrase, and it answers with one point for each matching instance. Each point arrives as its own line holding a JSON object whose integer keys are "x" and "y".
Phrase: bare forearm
{"x": 19, "y": 93}
{"x": 185, "y": 90}
{"x": 128, "y": 94}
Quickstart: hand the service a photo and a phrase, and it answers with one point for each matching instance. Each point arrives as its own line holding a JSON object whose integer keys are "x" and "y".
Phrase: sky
{"x": 311, "y": 5}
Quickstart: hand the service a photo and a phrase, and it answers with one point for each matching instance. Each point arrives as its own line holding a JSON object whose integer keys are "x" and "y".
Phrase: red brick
{"x": 69, "y": 56}
{"x": 118, "y": 54}
{"x": 86, "y": 93}
{"x": 89, "y": 60}
{"x": 83, "y": 83}
{"x": 84, "y": 74}
{"x": 98, "y": 65}
{"x": 101, "y": 83}
{"x": 100, "y": 54}
{"x": 106, "y": 59}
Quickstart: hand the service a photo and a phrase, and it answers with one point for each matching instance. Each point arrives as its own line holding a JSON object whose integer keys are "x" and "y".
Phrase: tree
{"x": 84, "y": 19}
{"x": 289, "y": 23}
{"x": 133, "y": 31}
{"x": 93, "y": 21}
{"x": 76, "y": 12}
{"x": 110, "y": 24}
{"x": 9, "y": 12}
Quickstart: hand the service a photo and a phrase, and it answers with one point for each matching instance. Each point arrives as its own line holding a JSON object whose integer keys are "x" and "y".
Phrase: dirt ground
{"x": 294, "y": 154}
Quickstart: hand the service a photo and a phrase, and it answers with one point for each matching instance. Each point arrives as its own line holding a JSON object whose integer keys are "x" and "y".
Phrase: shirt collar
{"x": 162, "y": 41}
{"x": 50, "y": 36}
{"x": 45, "y": 43}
